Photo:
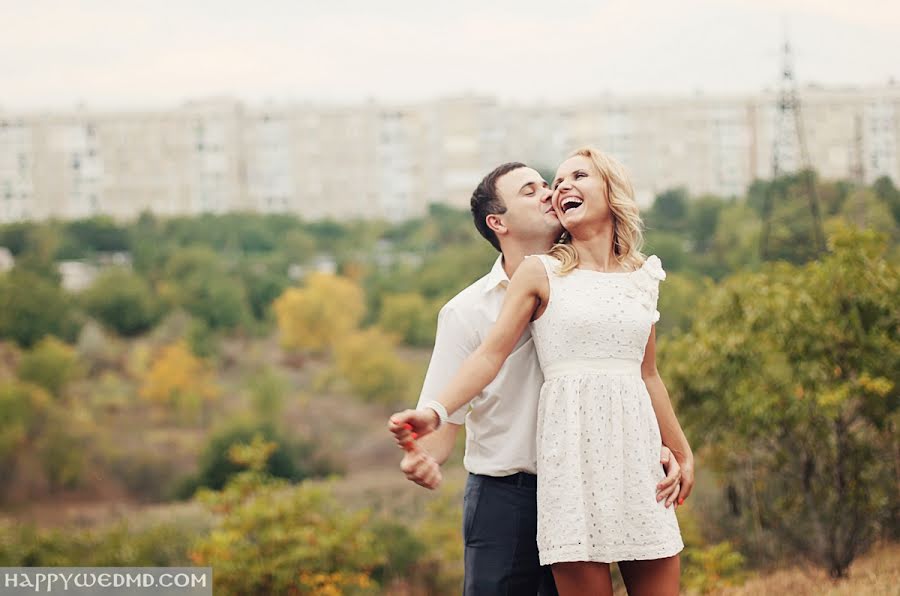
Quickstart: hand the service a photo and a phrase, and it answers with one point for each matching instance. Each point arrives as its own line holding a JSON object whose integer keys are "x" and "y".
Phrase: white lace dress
{"x": 598, "y": 441}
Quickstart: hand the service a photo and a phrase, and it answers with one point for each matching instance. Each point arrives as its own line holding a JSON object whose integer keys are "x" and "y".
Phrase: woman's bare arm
{"x": 672, "y": 434}
{"x": 528, "y": 289}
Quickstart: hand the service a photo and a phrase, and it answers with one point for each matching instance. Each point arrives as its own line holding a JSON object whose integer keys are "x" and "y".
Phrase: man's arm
{"x": 441, "y": 442}
{"x": 422, "y": 463}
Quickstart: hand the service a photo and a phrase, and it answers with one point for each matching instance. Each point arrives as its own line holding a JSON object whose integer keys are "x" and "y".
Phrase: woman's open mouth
{"x": 569, "y": 203}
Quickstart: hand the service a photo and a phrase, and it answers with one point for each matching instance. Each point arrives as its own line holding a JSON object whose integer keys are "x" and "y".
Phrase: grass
{"x": 876, "y": 573}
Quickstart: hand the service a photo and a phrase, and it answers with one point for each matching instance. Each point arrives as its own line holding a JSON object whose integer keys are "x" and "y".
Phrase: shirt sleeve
{"x": 453, "y": 343}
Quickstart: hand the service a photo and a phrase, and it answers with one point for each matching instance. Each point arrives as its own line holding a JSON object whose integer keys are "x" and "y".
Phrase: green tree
{"x": 453, "y": 268}
{"x": 678, "y": 297}
{"x": 32, "y": 307}
{"x": 368, "y": 362}
{"x": 262, "y": 287}
{"x": 50, "y": 364}
{"x": 62, "y": 446}
{"x": 885, "y": 189}
{"x": 290, "y": 460}
{"x": 275, "y": 539}
{"x": 671, "y": 249}
{"x": 298, "y": 246}
{"x": 83, "y": 237}
{"x": 198, "y": 280}
{"x": 669, "y": 210}
{"x": 267, "y": 388}
{"x": 411, "y": 317}
{"x": 15, "y": 236}
{"x": 123, "y": 301}
{"x": 865, "y": 209}
{"x": 735, "y": 243}
{"x": 793, "y": 374}
{"x": 39, "y": 256}
{"x": 703, "y": 216}
{"x": 131, "y": 543}
{"x": 23, "y": 412}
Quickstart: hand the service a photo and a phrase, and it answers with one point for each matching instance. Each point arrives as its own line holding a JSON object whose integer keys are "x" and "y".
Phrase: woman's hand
{"x": 409, "y": 425}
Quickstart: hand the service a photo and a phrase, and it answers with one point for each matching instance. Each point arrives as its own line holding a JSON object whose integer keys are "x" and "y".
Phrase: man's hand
{"x": 421, "y": 468}
{"x": 673, "y": 484}
{"x": 409, "y": 425}
{"x": 687, "y": 478}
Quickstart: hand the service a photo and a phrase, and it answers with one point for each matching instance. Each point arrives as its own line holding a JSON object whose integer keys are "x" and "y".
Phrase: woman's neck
{"x": 595, "y": 249}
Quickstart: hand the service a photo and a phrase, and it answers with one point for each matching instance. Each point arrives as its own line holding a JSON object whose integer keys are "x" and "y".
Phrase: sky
{"x": 130, "y": 54}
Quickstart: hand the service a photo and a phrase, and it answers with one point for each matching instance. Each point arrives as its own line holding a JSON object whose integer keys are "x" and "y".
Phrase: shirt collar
{"x": 497, "y": 276}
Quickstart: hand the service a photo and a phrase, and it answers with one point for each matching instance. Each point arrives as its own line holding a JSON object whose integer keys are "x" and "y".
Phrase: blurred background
{"x": 226, "y": 230}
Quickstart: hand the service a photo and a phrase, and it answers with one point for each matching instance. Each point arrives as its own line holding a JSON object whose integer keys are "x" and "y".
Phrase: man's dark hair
{"x": 486, "y": 202}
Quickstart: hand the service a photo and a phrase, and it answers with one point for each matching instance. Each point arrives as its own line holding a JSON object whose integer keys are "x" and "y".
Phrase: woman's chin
{"x": 572, "y": 223}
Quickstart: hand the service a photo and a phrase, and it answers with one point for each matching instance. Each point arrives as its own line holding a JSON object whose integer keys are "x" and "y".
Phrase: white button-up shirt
{"x": 501, "y": 422}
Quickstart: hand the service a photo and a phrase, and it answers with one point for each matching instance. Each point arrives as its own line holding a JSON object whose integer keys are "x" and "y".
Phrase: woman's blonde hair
{"x": 628, "y": 236}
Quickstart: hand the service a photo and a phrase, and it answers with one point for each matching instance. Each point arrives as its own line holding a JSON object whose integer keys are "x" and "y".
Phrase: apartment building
{"x": 390, "y": 162}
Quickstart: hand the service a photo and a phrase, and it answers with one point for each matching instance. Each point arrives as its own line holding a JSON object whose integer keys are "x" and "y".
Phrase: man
{"x": 511, "y": 208}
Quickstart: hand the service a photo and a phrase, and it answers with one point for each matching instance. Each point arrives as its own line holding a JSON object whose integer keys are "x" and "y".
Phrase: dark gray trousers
{"x": 500, "y": 533}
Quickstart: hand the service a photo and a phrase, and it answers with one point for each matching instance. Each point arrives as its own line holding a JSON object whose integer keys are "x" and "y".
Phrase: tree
{"x": 83, "y": 237}
{"x": 678, "y": 299}
{"x": 735, "y": 243}
{"x": 39, "y": 256}
{"x": 180, "y": 379}
{"x": 267, "y": 388}
{"x": 368, "y": 362}
{"x": 314, "y": 317}
{"x": 263, "y": 287}
{"x": 453, "y": 268}
{"x": 411, "y": 317}
{"x": 866, "y": 209}
{"x": 24, "y": 410}
{"x": 291, "y": 461}
{"x": 15, "y": 236}
{"x": 32, "y": 307}
{"x": 792, "y": 375}
{"x": 670, "y": 248}
{"x": 50, "y": 364}
{"x": 122, "y": 301}
{"x": 669, "y": 210}
{"x": 703, "y": 215}
{"x": 275, "y": 539}
{"x": 198, "y": 280}
{"x": 298, "y": 246}
{"x": 885, "y": 189}
{"x": 217, "y": 299}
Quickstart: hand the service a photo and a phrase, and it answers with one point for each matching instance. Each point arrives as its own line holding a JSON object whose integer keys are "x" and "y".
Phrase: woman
{"x": 592, "y": 307}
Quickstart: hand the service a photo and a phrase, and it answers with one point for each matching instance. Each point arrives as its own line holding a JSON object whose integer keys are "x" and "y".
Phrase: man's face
{"x": 529, "y": 212}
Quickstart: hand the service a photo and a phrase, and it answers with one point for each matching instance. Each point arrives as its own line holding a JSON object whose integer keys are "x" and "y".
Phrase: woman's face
{"x": 579, "y": 193}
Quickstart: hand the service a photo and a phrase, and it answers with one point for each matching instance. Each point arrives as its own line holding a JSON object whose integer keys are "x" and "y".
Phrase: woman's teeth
{"x": 570, "y": 203}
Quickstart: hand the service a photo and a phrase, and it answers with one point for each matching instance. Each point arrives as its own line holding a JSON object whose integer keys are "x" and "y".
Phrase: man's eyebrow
{"x": 532, "y": 183}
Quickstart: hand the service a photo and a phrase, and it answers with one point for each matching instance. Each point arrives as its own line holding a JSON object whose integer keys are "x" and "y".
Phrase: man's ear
{"x": 495, "y": 222}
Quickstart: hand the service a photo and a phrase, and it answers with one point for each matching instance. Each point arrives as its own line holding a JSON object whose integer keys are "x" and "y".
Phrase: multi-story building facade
{"x": 391, "y": 162}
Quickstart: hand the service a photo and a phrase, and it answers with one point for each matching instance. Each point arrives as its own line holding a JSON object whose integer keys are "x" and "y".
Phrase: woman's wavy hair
{"x": 628, "y": 235}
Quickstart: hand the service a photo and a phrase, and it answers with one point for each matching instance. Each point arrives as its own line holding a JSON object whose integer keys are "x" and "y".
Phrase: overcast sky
{"x": 125, "y": 53}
